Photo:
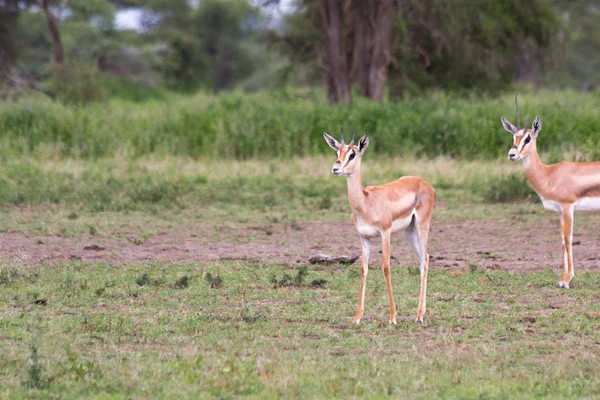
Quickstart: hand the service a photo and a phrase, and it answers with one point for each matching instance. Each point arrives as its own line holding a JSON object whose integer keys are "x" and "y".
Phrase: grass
{"x": 151, "y": 183}
{"x": 74, "y": 329}
{"x": 100, "y": 334}
{"x": 287, "y": 123}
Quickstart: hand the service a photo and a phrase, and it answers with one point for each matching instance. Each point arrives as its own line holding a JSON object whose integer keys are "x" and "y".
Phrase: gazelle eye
{"x": 527, "y": 140}
{"x": 351, "y": 156}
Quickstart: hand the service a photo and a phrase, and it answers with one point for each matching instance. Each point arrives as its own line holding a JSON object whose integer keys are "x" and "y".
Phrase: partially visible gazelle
{"x": 403, "y": 205}
{"x": 564, "y": 187}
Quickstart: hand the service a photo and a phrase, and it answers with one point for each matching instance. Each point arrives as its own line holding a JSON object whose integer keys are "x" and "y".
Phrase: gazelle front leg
{"x": 566, "y": 231}
{"x": 366, "y": 254}
{"x": 385, "y": 263}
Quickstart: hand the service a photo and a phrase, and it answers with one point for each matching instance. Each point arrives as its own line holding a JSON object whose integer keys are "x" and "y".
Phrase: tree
{"x": 53, "y": 27}
{"x": 338, "y": 74}
{"x": 372, "y": 45}
{"x": 355, "y": 45}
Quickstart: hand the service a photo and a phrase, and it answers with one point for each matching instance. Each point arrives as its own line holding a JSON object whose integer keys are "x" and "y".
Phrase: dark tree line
{"x": 372, "y": 48}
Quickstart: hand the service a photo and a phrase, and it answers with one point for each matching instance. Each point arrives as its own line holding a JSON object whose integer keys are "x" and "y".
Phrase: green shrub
{"x": 287, "y": 123}
{"x": 507, "y": 188}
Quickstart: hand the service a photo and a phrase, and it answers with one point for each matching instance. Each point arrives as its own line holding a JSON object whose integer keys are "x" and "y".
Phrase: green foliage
{"x": 183, "y": 282}
{"x": 282, "y": 124}
{"x": 506, "y": 188}
{"x": 215, "y": 282}
{"x": 452, "y": 45}
{"x": 77, "y": 84}
{"x": 298, "y": 280}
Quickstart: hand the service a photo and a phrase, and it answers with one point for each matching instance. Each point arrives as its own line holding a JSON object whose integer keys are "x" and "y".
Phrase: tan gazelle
{"x": 565, "y": 187}
{"x": 404, "y": 205}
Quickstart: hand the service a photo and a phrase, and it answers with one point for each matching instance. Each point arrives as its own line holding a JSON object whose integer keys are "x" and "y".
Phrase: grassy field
{"x": 224, "y": 329}
{"x": 244, "y": 169}
{"x": 149, "y": 330}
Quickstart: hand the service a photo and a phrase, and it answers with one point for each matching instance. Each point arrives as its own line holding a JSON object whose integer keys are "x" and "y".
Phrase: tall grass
{"x": 284, "y": 123}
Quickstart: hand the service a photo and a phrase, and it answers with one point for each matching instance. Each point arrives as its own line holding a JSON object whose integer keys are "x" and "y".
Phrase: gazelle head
{"x": 523, "y": 139}
{"x": 348, "y": 155}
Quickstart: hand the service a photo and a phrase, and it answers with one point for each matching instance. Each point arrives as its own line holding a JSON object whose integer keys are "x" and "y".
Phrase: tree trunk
{"x": 53, "y": 25}
{"x": 338, "y": 73}
{"x": 372, "y": 45}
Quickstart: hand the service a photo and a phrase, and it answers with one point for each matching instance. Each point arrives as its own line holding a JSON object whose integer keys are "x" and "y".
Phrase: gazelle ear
{"x": 363, "y": 143}
{"x": 508, "y": 126}
{"x": 536, "y": 127}
{"x": 334, "y": 144}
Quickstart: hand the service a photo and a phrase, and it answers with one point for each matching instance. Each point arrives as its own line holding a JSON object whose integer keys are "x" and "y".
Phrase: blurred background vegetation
{"x": 238, "y": 78}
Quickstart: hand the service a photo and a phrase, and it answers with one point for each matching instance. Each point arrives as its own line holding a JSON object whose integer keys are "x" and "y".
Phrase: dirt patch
{"x": 489, "y": 244}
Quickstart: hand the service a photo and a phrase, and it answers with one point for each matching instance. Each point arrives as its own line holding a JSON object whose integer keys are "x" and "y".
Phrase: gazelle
{"x": 404, "y": 205}
{"x": 564, "y": 187}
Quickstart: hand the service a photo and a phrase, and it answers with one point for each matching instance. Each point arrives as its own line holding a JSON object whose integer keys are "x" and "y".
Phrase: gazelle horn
{"x": 518, "y": 113}
{"x": 353, "y": 135}
{"x": 342, "y": 132}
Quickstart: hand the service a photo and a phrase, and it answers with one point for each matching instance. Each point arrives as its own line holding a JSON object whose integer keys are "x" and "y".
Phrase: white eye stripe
{"x": 523, "y": 141}
{"x": 347, "y": 158}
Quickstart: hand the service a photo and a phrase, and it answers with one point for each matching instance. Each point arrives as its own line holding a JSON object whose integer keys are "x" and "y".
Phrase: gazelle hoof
{"x": 356, "y": 321}
{"x": 419, "y": 320}
{"x": 393, "y": 322}
{"x": 562, "y": 285}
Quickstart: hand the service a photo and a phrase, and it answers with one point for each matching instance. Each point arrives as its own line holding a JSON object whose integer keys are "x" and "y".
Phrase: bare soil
{"x": 504, "y": 244}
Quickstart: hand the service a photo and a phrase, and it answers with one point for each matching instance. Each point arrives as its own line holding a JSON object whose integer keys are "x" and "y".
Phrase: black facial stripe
{"x": 527, "y": 140}
{"x": 352, "y": 155}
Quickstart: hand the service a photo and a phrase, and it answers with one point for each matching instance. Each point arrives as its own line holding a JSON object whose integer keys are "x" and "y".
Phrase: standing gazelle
{"x": 563, "y": 187}
{"x": 405, "y": 205}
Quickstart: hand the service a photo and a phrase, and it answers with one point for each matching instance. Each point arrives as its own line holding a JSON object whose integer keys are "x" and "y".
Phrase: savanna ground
{"x": 171, "y": 278}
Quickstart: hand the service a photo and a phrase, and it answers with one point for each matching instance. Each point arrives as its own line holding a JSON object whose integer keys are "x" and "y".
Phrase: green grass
{"x": 75, "y": 329}
{"x": 298, "y": 185}
{"x": 286, "y": 123}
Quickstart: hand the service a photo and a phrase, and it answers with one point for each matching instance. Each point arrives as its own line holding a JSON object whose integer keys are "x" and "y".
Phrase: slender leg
{"x": 422, "y": 235}
{"x": 366, "y": 254}
{"x": 385, "y": 250}
{"x": 566, "y": 231}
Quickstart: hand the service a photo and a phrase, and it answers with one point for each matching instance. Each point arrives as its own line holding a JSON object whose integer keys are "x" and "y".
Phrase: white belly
{"x": 588, "y": 204}
{"x": 370, "y": 231}
{"x": 401, "y": 224}
{"x": 551, "y": 205}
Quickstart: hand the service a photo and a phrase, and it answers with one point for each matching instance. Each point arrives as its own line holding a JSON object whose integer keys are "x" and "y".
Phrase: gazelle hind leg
{"x": 566, "y": 231}
{"x": 423, "y": 222}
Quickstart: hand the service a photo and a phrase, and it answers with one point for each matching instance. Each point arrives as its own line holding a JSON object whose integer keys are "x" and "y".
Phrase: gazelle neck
{"x": 356, "y": 194}
{"x": 536, "y": 171}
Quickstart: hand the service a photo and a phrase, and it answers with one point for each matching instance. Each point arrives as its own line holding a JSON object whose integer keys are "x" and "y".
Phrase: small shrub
{"x": 473, "y": 268}
{"x": 287, "y": 280}
{"x": 414, "y": 271}
{"x": 318, "y": 282}
{"x": 9, "y": 275}
{"x": 183, "y": 282}
{"x": 251, "y": 317}
{"x": 72, "y": 216}
{"x": 216, "y": 282}
{"x": 512, "y": 187}
{"x": 143, "y": 280}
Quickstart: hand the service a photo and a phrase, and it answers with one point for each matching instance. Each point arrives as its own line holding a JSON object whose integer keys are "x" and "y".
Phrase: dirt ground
{"x": 505, "y": 244}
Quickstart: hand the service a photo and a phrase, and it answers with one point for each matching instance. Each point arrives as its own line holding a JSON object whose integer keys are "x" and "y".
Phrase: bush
{"x": 282, "y": 124}
{"x": 77, "y": 84}
{"x": 512, "y": 187}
